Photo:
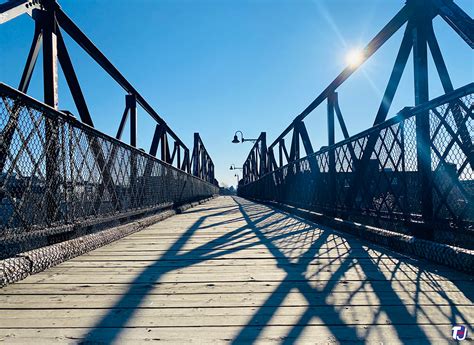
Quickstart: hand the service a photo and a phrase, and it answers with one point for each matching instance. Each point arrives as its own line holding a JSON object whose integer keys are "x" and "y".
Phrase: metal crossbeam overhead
{"x": 50, "y": 21}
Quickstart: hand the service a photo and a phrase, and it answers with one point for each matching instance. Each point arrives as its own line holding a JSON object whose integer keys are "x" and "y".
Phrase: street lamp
{"x": 233, "y": 167}
{"x": 236, "y": 138}
{"x": 237, "y": 175}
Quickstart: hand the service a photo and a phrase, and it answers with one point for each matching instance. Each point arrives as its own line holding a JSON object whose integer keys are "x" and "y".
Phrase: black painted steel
{"x": 201, "y": 163}
{"x": 389, "y": 192}
{"x": 59, "y": 173}
{"x": 418, "y": 16}
{"x": 50, "y": 20}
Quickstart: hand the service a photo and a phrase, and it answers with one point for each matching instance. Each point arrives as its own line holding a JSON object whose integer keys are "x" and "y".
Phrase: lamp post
{"x": 236, "y": 138}
{"x": 233, "y": 167}
{"x": 237, "y": 175}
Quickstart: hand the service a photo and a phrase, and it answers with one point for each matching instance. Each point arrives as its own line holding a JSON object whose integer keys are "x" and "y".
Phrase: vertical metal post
{"x": 131, "y": 104}
{"x": 196, "y": 155}
{"x": 420, "y": 60}
{"x": 331, "y": 153}
{"x": 263, "y": 153}
{"x": 50, "y": 83}
{"x": 295, "y": 144}
{"x": 165, "y": 152}
{"x": 280, "y": 152}
{"x": 178, "y": 155}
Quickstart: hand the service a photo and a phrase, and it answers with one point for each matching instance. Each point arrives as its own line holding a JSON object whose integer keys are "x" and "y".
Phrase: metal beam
{"x": 13, "y": 9}
{"x": 439, "y": 61}
{"x": 396, "y": 75}
{"x": 132, "y": 106}
{"x": 295, "y": 145}
{"x": 331, "y": 152}
{"x": 263, "y": 154}
{"x": 50, "y": 67}
{"x": 459, "y": 20}
{"x": 165, "y": 151}
{"x": 420, "y": 61}
{"x": 388, "y": 30}
{"x": 122, "y": 122}
{"x": 305, "y": 138}
{"x": 77, "y": 35}
{"x": 340, "y": 118}
{"x": 156, "y": 139}
{"x": 31, "y": 59}
{"x": 72, "y": 81}
{"x": 50, "y": 89}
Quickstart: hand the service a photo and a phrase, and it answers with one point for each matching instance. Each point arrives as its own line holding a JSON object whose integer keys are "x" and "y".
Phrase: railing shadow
{"x": 125, "y": 308}
{"x": 306, "y": 251}
{"x": 336, "y": 274}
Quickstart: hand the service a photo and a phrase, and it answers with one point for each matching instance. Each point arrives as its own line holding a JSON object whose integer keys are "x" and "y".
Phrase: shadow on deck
{"x": 296, "y": 282}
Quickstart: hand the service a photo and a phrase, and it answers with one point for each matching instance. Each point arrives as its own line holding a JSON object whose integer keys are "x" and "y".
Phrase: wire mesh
{"x": 376, "y": 179}
{"x": 57, "y": 172}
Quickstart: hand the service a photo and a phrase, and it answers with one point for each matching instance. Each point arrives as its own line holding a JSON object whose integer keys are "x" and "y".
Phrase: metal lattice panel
{"x": 376, "y": 172}
{"x": 56, "y": 171}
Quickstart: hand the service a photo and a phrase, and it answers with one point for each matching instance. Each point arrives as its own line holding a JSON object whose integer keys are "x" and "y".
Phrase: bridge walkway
{"x": 231, "y": 270}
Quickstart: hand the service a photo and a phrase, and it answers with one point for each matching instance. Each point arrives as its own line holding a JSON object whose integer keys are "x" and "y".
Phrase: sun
{"x": 354, "y": 58}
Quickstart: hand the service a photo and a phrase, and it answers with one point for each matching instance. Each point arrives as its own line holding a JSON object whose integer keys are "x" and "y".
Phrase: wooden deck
{"x": 234, "y": 271}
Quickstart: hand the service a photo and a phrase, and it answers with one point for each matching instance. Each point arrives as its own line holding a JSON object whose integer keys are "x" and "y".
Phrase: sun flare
{"x": 355, "y": 57}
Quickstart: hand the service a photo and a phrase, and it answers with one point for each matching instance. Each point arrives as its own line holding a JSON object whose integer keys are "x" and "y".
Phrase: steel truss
{"x": 417, "y": 17}
{"x": 46, "y": 200}
{"x": 50, "y": 22}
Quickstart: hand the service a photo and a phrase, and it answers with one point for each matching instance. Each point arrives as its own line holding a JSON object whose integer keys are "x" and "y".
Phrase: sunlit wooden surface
{"x": 234, "y": 271}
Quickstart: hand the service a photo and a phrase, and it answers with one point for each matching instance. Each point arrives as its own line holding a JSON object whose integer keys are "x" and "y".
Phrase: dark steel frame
{"x": 77, "y": 194}
{"x": 418, "y": 35}
{"x": 389, "y": 193}
{"x": 50, "y": 20}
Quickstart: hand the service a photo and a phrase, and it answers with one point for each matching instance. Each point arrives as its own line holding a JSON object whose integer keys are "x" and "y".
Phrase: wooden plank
{"x": 386, "y": 263}
{"x": 276, "y": 268}
{"x": 117, "y": 276}
{"x": 441, "y": 286}
{"x": 228, "y": 299}
{"x": 331, "y": 334}
{"x": 235, "y": 316}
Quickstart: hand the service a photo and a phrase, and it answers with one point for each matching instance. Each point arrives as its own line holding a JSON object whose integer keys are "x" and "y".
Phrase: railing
{"x": 57, "y": 173}
{"x": 375, "y": 177}
{"x": 202, "y": 165}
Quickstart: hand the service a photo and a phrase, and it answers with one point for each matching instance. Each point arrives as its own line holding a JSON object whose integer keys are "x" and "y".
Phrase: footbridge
{"x": 366, "y": 240}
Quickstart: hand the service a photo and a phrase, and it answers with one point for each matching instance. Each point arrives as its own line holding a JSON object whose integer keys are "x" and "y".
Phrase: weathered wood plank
{"x": 310, "y": 334}
{"x": 130, "y": 276}
{"x": 235, "y": 316}
{"x": 229, "y": 299}
{"x": 251, "y": 287}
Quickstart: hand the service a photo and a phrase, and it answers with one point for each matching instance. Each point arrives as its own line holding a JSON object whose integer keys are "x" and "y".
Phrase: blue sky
{"x": 218, "y": 66}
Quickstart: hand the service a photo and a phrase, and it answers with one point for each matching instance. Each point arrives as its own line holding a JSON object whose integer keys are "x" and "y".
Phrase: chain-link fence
{"x": 57, "y": 173}
{"x": 375, "y": 179}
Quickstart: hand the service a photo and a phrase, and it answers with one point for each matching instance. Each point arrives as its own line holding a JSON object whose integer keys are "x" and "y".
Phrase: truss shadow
{"x": 347, "y": 286}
